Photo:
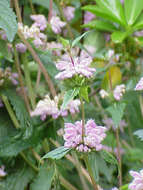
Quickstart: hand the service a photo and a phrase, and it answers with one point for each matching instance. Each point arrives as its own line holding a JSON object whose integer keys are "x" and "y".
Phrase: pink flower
{"x": 91, "y": 139}
{"x": 40, "y": 21}
{"x": 137, "y": 183}
{"x": 110, "y": 124}
{"x": 55, "y": 47}
{"x": 119, "y": 91}
{"x": 56, "y": 24}
{"x": 20, "y": 47}
{"x": 69, "y": 12}
{"x": 47, "y": 107}
{"x": 139, "y": 85}
{"x": 2, "y": 172}
{"x": 88, "y": 16}
{"x": 75, "y": 66}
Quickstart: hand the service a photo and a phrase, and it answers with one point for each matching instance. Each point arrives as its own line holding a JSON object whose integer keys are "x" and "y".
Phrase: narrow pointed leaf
{"x": 133, "y": 9}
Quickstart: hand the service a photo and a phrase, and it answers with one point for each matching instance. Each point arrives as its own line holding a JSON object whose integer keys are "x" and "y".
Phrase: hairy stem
{"x": 38, "y": 78}
{"x": 90, "y": 172}
{"x": 50, "y": 10}
{"x": 29, "y": 162}
{"x": 18, "y": 13}
{"x": 10, "y": 111}
{"x": 78, "y": 167}
{"x": 21, "y": 79}
{"x": 32, "y": 7}
{"x": 119, "y": 157}
{"x": 83, "y": 118}
{"x": 37, "y": 59}
{"x": 32, "y": 96}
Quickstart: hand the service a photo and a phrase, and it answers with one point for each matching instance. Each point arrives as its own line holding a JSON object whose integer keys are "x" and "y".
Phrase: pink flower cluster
{"x": 69, "y": 12}
{"x": 33, "y": 33}
{"x": 139, "y": 85}
{"x": 88, "y": 16}
{"x": 91, "y": 139}
{"x": 137, "y": 183}
{"x": 21, "y": 48}
{"x": 75, "y": 66}
{"x": 47, "y": 107}
{"x": 40, "y": 21}
{"x": 57, "y": 24}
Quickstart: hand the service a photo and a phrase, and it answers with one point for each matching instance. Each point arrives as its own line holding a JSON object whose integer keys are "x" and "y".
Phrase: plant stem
{"x": 21, "y": 80}
{"x": 83, "y": 118}
{"x": 28, "y": 81}
{"x": 119, "y": 157}
{"x": 10, "y": 111}
{"x": 18, "y": 13}
{"x": 38, "y": 78}
{"x": 90, "y": 172}
{"x": 36, "y": 155}
{"x": 50, "y": 10}
{"x": 37, "y": 59}
{"x": 32, "y": 7}
{"x": 29, "y": 162}
{"x": 110, "y": 80}
{"x": 64, "y": 18}
{"x": 66, "y": 184}
{"x": 78, "y": 167}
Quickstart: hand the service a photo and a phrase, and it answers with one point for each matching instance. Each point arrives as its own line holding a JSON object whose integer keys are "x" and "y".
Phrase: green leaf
{"x": 125, "y": 187}
{"x": 57, "y": 154}
{"x": 4, "y": 50}
{"x": 139, "y": 23}
{"x": 21, "y": 111}
{"x": 44, "y": 3}
{"x": 114, "y": 9}
{"x": 79, "y": 38}
{"x": 7, "y": 20}
{"x": 69, "y": 95}
{"x": 118, "y": 36}
{"x": 94, "y": 166}
{"x": 44, "y": 179}
{"x": 84, "y": 93}
{"x": 132, "y": 10}
{"x": 117, "y": 112}
{"x": 64, "y": 42}
{"x": 139, "y": 134}
{"x": 101, "y": 25}
{"x": 18, "y": 180}
{"x": 108, "y": 157}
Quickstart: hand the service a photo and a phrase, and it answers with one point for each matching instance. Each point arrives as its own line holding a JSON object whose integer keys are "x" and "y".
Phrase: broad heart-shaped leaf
{"x": 114, "y": 9}
{"x": 79, "y": 38}
{"x": 44, "y": 179}
{"x": 69, "y": 95}
{"x": 118, "y": 36}
{"x": 57, "y": 154}
{"x": 133, "y": 9}
{"x": 101, "y": 25}
{"x": 117, "y": 112}
{"x": 139, "y": 134}
{"x": 7, "y": 20}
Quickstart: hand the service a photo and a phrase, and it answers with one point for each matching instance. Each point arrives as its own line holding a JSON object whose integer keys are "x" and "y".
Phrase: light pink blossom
{"x": 139, "y": 85}
{"x": 50, "y": 107}
{"x": 119, "y": 91}
{"x": 110, "y": 124}
{"x": 103, "y": 93}
{"x": 2, "y": 172}
{"x": 137, "y": 183}
{"x": 75, "y": 66}
{"x": 57, "y": 24}
{"x": 40, "y": 21}
{"x": 21, "y": 48}
{"x": 91, "y": 139}
{"x": 69, "y": 12}
{"x": 88, "y": 16}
